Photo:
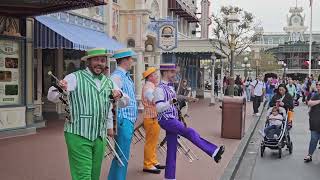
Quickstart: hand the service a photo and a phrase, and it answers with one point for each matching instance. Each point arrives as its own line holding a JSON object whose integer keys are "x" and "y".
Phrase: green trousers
{"x": 85, "y": 156}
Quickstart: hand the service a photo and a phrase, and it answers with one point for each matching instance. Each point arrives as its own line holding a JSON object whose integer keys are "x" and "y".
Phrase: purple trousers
{"x": 174, "y": 128}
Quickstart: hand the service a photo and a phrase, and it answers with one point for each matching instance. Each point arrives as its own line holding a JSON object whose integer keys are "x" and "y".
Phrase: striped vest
{"x": 130, "y": 112}
{"x": 89, "y": 106}
{"x": 169, "y": 94}
{"x": 149, "y": 107}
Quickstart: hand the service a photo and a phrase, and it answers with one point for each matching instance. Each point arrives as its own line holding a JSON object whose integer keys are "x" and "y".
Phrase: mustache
{"x": 99, "y": 66}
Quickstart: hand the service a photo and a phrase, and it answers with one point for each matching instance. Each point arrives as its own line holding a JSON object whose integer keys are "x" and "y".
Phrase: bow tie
{"x": 98, "y": 77}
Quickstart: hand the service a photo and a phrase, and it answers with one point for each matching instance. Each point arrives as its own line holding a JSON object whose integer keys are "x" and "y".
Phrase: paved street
{"x": 43, "y": 156}
{"x": 289, "y": 166}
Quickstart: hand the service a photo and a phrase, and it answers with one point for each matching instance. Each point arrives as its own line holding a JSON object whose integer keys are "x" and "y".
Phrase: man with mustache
{"x": 126, "y": 117}
{"x": 91, "y": 116}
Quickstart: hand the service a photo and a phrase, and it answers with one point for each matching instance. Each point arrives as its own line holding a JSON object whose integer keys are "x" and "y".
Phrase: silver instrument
{"x": 63, "y": 96}
{"x": 111, "y": 144}
{"x": 183, "y": 146}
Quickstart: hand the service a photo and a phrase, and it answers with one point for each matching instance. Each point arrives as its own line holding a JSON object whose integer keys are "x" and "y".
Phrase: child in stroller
{"x": 274, "y": 122}
{"x": 276, "y": 132}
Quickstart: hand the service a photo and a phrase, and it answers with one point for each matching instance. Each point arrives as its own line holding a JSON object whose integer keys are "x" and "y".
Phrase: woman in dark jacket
{"x": 314, "y": 123}
{"x": 282, "y": 97}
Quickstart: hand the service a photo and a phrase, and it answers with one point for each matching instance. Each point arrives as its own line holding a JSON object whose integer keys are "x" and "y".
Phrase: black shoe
{"x": 153, "y": 171}
{"x": 160, "y": 166}
{"x": 307, "y": 159}
{"x": 218, "y": 156}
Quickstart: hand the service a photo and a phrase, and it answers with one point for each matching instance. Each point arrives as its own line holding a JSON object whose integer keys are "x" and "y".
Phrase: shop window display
{"x": 10, "y": 81}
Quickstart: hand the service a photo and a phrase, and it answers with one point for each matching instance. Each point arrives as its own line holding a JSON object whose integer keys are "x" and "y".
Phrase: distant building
{"x": 290, "y": 46}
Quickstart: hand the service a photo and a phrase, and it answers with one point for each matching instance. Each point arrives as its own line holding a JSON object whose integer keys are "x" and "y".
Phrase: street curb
{"x": 233, "y": 166}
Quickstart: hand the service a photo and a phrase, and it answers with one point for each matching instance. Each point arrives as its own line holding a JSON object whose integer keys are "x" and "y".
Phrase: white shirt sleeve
{"x": 148, "y": 94}
{"x": 110, "y": 118}
{"x": 124, "y": 101}
{"x": 117, "y": 80}
{"x": 159, "y": 100}
{"x": 53, "y": 93}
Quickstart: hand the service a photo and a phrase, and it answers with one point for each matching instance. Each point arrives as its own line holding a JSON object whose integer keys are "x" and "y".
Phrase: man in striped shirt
{"x": 165, "y": 99}
{"x": 91, "y": 117}
{"x": 150, "y": 122}
{"x": 126, "y": 116}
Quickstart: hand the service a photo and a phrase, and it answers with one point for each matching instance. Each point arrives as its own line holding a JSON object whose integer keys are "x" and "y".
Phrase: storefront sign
{"x": 167, "y": 33}
{"x": 9, "y": 72}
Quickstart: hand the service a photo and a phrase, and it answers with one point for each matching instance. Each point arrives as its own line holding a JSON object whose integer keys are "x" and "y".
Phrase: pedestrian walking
{"x": 168, "y": 116}
{"x": 248, "y": 88}
{"x": 90, "y": 114}
{"x": 126, "y": 116}
{"x": 314, "y": 123}
{"x": 282, "y": 98}
{"x": 291, "y": 88}
{"x": 150, "y": 122}
{"x": 258, "y": 88}
{"x": 270, "y": 87}
{"x": 238, "y": 85}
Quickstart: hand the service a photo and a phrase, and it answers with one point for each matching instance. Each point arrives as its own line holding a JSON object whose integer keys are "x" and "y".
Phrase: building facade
{"x": 17, "y": 78}
{"x": 291, "y": 46}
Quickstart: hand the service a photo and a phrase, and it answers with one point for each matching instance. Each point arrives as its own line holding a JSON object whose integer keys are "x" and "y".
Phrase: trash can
{"x": 233, "y": 117}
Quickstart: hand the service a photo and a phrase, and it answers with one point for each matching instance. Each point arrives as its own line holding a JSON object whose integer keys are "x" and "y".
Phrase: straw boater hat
{"x": 123, "y": 53}
{"x": 148, "y": 72}
{"x": 96, "y": 52}
{"x": 167, "y": 67}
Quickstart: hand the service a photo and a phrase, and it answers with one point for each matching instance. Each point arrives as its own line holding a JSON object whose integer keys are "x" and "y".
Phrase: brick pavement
{"x": 43, "y": 156}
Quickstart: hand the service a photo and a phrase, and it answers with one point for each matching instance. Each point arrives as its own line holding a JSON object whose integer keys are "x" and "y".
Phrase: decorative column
{"x": 29, "y": 72}
{"x": 59, "y": 71}
{"x": 108, "y": 18}
{"x": 205, "y": 20}
{"x": 138, "y": 77}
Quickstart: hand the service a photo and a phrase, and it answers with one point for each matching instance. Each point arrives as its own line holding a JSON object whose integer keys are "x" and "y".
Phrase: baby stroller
{"x": 282, "y": 137}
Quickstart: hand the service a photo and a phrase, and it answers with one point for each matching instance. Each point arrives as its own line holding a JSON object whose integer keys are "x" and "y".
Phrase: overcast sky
{"x": 272, "y": 13}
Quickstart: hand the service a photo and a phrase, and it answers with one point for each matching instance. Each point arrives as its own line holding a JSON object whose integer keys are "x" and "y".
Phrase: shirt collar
{"x": 165, "y": 82}
{"x": 122, "y": 70}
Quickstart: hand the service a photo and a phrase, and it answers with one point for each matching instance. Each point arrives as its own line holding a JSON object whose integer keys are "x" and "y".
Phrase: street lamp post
{"x": 213, "y": 63}
{"x": 232, "y": 20}
{"x": 285, "y": 69}
{"x": 246, "y": 65}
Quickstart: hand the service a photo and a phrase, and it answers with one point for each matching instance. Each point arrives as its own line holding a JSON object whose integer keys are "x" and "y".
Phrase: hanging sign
{"x": 167, "y": 33}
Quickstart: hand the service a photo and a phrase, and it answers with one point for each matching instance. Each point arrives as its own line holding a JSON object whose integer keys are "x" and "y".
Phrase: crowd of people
{"x": 284, "y": 93}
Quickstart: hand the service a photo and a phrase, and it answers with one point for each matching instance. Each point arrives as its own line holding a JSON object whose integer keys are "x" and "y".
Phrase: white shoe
{"x": 257, "y": 114}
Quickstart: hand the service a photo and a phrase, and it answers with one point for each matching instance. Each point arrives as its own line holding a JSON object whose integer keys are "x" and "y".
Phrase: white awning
{"x": 196, "y": 46}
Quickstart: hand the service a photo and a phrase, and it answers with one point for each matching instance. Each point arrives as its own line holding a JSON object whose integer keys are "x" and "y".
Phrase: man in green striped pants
{"x": 90, "y": 114}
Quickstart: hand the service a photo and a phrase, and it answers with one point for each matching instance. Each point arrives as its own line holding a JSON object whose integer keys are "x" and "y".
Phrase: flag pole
{"x": 310, "y": 39}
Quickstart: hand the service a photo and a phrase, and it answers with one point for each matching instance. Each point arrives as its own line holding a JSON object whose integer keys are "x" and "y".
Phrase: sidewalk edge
{"x": 233, "y": 165}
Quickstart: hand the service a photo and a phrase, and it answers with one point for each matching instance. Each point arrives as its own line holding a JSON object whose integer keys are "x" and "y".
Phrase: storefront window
{"x": 72, "y": 60}
{"x": 10, "y": 72}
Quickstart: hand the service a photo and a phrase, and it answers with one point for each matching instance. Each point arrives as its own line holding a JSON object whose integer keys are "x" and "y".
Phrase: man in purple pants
{"x": 165, "y": 99}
